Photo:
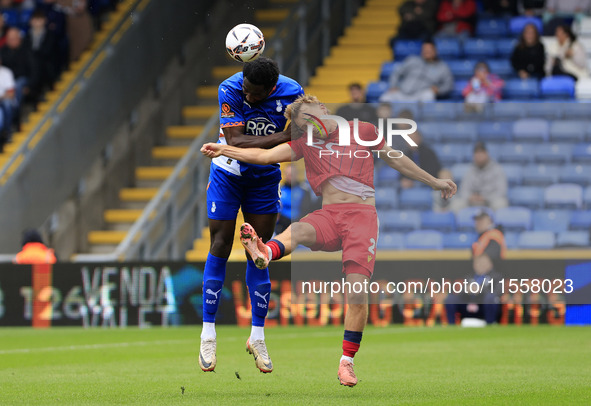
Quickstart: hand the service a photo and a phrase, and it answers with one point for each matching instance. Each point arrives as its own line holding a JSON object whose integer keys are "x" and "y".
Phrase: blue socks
{"x": 259, "y": 289}
{"x": 213, "y": 282}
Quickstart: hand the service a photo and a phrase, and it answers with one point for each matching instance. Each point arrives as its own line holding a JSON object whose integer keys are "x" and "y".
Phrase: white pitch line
{"x": 92, "y": 346}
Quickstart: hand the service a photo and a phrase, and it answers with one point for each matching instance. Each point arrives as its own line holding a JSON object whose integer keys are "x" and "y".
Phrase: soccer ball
{"x": 245, "y": 43}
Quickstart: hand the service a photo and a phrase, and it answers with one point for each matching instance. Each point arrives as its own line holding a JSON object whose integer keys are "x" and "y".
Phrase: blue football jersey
{"x": 261, "y": 119}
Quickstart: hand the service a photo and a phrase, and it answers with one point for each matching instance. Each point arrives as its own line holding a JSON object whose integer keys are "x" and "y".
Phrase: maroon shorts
{"x": 351, "y": 227}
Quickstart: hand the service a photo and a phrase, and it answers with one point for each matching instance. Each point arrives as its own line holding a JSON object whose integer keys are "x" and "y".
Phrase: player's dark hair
{"x": 262, "y": 71}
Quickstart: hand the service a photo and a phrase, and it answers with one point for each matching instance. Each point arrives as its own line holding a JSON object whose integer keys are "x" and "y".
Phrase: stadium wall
{"x": 170, "y": 294}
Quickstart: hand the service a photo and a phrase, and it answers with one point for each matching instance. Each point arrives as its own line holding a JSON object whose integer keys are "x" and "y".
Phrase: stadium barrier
{"x": 170, "y": 294}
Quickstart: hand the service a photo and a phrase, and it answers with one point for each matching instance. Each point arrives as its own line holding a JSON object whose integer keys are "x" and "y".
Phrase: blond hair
{"x": 293, "y": 110}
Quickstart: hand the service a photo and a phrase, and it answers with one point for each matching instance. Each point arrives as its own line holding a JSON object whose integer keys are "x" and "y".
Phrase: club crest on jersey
{"x": 260, "y": 126}
{"x": 226, "y": 111}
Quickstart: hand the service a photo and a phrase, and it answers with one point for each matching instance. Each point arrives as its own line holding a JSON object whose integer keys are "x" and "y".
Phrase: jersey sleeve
{"x": 297, "y": 148}
{"x": 369, "y": 132}
{"x": 231, "y": 114}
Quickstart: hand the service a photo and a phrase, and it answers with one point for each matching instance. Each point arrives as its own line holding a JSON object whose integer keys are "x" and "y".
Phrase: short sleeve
{"x": 369, "y": 132}
{"x": 297, "y": 148}
{"x": 231, "y": 114}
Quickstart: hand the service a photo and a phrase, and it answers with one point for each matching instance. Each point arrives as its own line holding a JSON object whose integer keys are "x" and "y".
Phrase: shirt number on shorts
{"x": 372, "y": 247}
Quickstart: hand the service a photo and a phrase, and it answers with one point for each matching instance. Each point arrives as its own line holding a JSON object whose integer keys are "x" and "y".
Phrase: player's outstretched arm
{"x": 257, "y": 156}
{"x": 235, "y": 137}
{"x": 408, "y": 168}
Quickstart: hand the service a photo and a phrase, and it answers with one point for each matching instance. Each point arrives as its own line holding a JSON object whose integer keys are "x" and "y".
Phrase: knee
{"x": 220, "y": 246}
{"x": 303, "y": 233}
{"x": 357, "y": 301}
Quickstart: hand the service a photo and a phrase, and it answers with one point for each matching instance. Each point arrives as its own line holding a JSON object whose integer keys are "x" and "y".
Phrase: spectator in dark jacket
{"x": 501, "y": 7}
{"x": 358, "y": 108}
{"x": 417, "y": 19}
{"x": 42, "y": 43}
{"x": 17, "y": 57}
{"x": 529, "y": 55}
{"x": 456, "y": 17}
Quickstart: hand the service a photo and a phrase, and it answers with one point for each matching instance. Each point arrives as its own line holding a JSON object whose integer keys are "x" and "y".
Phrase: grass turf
{"x": 396, "y": 365}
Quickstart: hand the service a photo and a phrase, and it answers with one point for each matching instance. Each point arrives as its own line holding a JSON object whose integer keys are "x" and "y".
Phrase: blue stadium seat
{"x": 391, "y": 241}
{"x": 431, "y": 220}
{"x": 505, "y": 47}
{"x": 495, "y": 149}
{"x": 386, "y": 176}
{"x": 588, "y": 138}
{"x": 405, "y": 48}
{"x": 416, "y": 198}
{"x": 558, "y": 88}
{"x": 575, "y": 173}
{"x": 580, "y": 220}
{"x": 544, "y": 109}
{"x": 439, "y": 111}
{"x": 495, "y": 131}
{"x": 520, "y": 89}
{"x": 511, "y": 240}
{"x": 540, "y": 175}
{"x": 516, "y": 153}
{"x": 514, "y": 218}
{"x": 387, "y": 69}
{"x": 465, "y": 217}
{"x": 501, "y": 67}
{"x": 459, "y": 131}
{"x": 507, "y": 110}
{"x": 449, "y": 48}
{"x": 459, "y": 170}
{"x": 491, "y": 28}
{"x": 424, "y": 240}
{"x": 531, "y": 130}
{"x": 582, "y": 153}
{"x": 587, "y": 197}
{"x": 572, "y": 239}
{"x": 375, "y": 90}
{"x": 568, "y": 131}
{"x": 386, "y": 198}
{"x": 450, "y": 154}
{"x": 400, "y": 220}
{"x": 576, "y": 110}
{"x": 463, "y": 69}
{"x": 430, "y": 131}
{"x": 458, "y": 241}
{"x": 514, "y": 174}
{"x": 456, "y": 93}
{"x": 517, "y": 24}
{"x": 551, "y": 220}
{"x": 477, "y": 48}
{"x": 564, "y": 196}
{"x": 553, "y": 153}
{"x": 415, "y": 108}
{"x": 528, "y": 196}
{"x": 537, "y": 240}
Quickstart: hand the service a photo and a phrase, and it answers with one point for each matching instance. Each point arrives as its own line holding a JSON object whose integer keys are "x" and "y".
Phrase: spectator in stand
{"x": 456, "y": 17}
{"x": 291, "y": 199}
{"x": 3, "y": 29}
{"x": 484, "y": 87}
{"x": 79, "y": 26}
{"x": 417, "y": 19}
{"x": 484, "y": 184}
{"x": 16, "y": 56}
{"x": 43, "y": 46}
{"x": 358, "y": 108}
{"x": 529, "y": 55}
{"x": 7, "y": 101}
{"x": 56, "y": 23}
{"x": 501, "y": 7}
{"x": 567, "y": 56}
{"x": 34, "y": 251}
{"x": 559, "y": 12}
{"x": 420, "y": 78}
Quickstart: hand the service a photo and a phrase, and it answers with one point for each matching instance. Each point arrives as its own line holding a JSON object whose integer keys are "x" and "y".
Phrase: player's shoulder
{"x": 288, "y": 87}
{"x": 233, "y": 83}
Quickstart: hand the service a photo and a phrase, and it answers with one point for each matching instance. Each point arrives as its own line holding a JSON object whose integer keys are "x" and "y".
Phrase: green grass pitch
{"x": 395, "y": 365}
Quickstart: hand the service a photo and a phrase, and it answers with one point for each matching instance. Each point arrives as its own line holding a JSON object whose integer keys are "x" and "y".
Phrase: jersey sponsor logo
{"x": 264, "y": 297}
{"x": 260, "y": 126}
{"x": 227, "y": 111}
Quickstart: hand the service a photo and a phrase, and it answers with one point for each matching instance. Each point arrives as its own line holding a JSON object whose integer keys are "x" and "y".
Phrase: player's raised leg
{"x": 355, "y": 321}
{"x": 282, "y": 245}
{"x": 259, "y": 289}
